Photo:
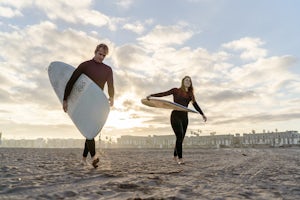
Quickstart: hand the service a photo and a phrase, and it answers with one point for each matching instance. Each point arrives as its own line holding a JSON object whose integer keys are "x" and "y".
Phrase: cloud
{"x": 126, "y": 4}
{"x": 162, "y": 36}
{"x": 75, "y": 12}
{"x": 78, "y": 12}
{"x": 130, "y": 56}
{"x": 260, "y": 118}
{"x": 12, "y": 9}
{"x": 230, "y": 95}
{"x": 249, "y": 47}
{"x": 136, "y": 27}
{"x": 9, "y": 12}
{"x": 17, "y": 4}
{"x": 4, "y": 81}
{"x": 48, "y": 42}
{"x": 270, "y": 71}
{"x": 5, "y": 97}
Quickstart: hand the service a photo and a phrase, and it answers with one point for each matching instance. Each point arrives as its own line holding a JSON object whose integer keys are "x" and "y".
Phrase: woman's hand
{"x": 65, "y": 105}
{"x": 204, "y": 118}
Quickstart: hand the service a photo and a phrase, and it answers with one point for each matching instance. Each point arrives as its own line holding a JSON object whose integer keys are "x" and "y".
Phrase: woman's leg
{"x": 178, "y": 130}
{"x": 184, "y": 122}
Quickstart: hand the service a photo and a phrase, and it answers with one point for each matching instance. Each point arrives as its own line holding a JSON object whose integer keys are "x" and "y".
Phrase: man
{"x": 100, "y": 73}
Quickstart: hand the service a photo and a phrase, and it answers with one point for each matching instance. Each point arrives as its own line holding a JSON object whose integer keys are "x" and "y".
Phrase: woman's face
{"x": 187, "y": 82}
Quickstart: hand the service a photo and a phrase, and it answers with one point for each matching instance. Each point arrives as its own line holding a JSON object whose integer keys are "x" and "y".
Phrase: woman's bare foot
{"x": 175, "y": 158}
{"x": 180, "y": 161}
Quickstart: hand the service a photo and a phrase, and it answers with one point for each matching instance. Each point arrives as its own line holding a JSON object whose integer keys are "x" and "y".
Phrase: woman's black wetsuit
{"x": 179, "y": 119}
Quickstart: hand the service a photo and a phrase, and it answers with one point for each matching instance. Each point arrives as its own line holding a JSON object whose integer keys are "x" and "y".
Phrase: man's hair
{"x": 104, "y": 46}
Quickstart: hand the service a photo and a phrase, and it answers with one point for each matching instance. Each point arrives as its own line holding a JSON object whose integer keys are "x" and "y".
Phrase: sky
{"x": 242, "y": 56}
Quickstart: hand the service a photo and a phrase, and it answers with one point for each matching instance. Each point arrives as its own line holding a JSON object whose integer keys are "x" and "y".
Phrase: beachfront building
{"x": 129, "y": 141}
{"x": 168, "y": 141}
{"x": 64, "y": 143}
{"x": 215, "y": 141}
{"x": 42, "y": 143}
{"x": 163, "y": 141}
{"x": 209, "y": 141}
{"x": 24, "y": 143}
{"x": 272, "y": 139}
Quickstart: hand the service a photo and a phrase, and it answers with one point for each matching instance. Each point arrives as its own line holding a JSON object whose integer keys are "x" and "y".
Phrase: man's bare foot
{"x": 95, "y": 162}
{"x": 84, "y": 162}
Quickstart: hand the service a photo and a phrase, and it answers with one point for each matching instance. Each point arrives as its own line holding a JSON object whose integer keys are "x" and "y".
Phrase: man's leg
{"x": 92, "y": 150}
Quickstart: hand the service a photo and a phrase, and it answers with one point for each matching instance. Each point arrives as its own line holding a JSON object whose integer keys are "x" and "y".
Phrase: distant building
{"x": 210, "y": 141}
{"x": 128, "y": 141}
{"x": 247, "y": 140}
{"x": 168, "y": 141}
{"x": 43, "y": 143}
{"x": 272, "y": 139}
{"x": 275, "y": 139}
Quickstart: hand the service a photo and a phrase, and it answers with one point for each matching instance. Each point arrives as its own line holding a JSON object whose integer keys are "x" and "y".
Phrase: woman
{"x": 179, "y": 119}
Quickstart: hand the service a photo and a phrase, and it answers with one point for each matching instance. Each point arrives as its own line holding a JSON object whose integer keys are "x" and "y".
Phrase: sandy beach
{"x": 151, "y": 174}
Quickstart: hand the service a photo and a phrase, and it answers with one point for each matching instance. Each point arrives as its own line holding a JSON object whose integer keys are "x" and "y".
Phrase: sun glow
{"x": 122, "y": 120}
{"x": 124, "y": 116}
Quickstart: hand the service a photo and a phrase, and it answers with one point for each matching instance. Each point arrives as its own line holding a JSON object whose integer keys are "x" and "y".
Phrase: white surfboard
{"x": 88, "y": 106}
{"x": 161, "y": 103}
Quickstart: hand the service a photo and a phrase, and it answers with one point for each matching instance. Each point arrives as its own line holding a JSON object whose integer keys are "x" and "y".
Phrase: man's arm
{"x": 110, "y": 88}
{"x": 69, "y": 87}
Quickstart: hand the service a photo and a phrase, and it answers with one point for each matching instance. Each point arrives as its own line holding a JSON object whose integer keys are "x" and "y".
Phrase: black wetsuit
{"x": 100, "y": 74}
{"x": 179, "y": 119}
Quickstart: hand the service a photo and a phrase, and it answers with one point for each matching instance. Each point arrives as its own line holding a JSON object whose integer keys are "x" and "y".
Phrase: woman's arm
{"x": 197, "y": 107}
{"x": 162, "y": 94}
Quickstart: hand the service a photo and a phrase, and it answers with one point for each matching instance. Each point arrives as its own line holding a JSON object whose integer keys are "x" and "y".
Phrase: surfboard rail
{"x": 162, "y": 103}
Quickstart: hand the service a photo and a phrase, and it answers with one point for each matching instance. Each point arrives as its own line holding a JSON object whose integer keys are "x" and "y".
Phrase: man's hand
{"x": 111, "y": 101}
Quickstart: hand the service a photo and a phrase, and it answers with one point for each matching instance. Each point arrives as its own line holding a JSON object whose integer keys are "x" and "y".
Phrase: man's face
{"x": 100, "y": 55}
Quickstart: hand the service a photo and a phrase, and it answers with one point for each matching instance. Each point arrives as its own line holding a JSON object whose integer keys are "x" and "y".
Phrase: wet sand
{"x": 151, "y": 174}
